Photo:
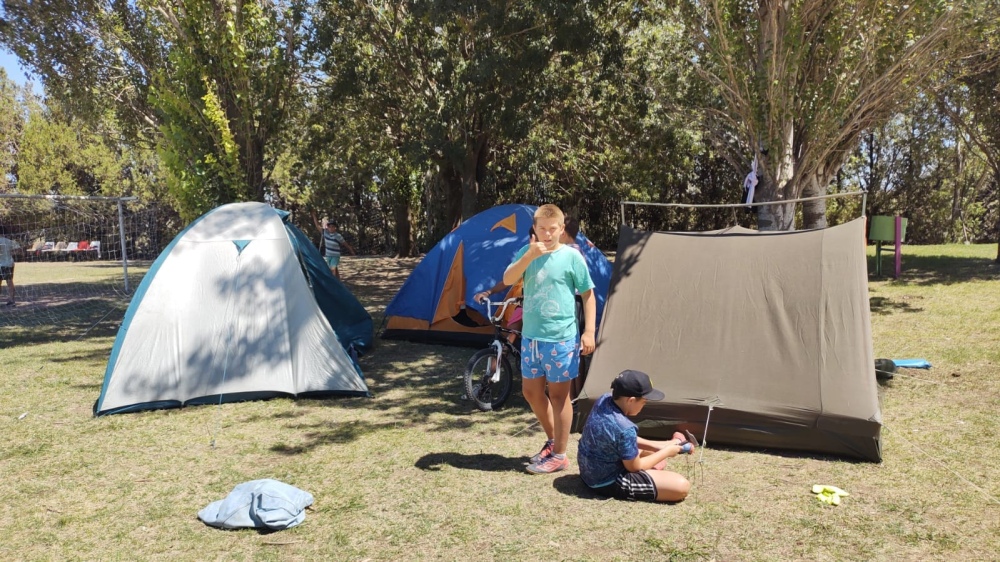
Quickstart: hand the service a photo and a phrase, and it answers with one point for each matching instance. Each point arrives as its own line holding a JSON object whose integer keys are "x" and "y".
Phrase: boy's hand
{"x": 587, "y": 344}
{"x": 687, "y": 445}
{"x": 536, "y": 248}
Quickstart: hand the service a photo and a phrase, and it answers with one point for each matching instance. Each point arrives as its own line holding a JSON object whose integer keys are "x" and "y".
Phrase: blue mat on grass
{"x": 912, "y": 363}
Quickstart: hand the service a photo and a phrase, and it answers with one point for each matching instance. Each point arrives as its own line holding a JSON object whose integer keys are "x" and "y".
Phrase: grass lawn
{"x": 417, "y": 473}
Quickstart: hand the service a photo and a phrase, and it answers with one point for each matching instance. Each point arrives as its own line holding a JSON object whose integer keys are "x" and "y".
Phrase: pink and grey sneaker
{"x": 545, "y": 452}
{"x": 549, "y": 464}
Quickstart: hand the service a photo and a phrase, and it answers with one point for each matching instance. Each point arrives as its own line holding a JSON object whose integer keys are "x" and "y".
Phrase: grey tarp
{"x": 772, "y": 328}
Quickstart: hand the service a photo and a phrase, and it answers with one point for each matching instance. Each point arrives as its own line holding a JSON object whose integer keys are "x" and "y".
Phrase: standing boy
{"x": 615, "y": 461}
{"x": 552, "y": 274}
{"x": 332, "y": 242}
{"x": 7, "y": 249}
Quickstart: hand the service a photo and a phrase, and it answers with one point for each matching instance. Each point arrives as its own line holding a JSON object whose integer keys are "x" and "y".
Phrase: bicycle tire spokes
{"x": 479, "y": 373}
{"x": 484, "y": 394}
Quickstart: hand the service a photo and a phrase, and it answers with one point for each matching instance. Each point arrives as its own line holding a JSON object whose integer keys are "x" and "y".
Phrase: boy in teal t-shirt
{"x": 553, "y": 273}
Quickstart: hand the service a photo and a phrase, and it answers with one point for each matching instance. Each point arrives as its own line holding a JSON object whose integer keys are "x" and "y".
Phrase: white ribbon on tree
{"x": 749, "y": 183}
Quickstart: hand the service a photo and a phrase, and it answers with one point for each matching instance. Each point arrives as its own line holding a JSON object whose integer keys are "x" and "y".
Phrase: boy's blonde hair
{"x": 549, "y": 211}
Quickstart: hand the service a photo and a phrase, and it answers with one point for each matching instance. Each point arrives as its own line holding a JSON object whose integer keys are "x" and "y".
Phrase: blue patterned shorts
{"x": 557, "y": 362}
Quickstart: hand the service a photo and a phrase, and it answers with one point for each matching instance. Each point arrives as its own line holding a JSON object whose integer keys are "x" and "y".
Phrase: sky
{"x": 9, "y": 62}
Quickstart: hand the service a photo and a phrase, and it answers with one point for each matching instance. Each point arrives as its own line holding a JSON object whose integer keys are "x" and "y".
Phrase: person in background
{"x": 333, "y": 241}
{"x": 8, "y": 248}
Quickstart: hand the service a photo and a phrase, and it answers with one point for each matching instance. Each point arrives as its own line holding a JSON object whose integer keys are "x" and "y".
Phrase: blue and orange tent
{"x": 435, "y": 303}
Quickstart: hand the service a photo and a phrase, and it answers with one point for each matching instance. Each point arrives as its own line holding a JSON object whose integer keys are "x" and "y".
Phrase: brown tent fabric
{"x": 772, "y": 329}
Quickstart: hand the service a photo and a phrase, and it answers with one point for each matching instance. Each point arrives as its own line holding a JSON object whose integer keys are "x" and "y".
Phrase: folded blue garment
{"x": 259, "y": 504}
{"x": 912, "y": 363}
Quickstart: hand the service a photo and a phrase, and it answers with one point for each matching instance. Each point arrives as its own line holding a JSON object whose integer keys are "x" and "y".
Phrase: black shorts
{"x": 631, "y": 486}
{"x": 6, "y": 272}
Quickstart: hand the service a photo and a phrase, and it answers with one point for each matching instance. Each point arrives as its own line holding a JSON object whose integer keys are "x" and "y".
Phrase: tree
{"x": 225, "y": 95}
{"x": 797, "y": 83}
{"x": 983, "y": 129}
{"x": 12, "y": 117}
{"x": 211, "y": 82}
{"x": 921, "y": 165}
{"x": 450, "y": 81}
{"x": 60, "y": 154}
{"x": 618, "y": 135}
{"x": 95, "y": 57}
{"x": 342, "y": 166}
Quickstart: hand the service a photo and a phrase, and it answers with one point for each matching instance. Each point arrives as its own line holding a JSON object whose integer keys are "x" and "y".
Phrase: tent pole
{"x": 121, "y": 234}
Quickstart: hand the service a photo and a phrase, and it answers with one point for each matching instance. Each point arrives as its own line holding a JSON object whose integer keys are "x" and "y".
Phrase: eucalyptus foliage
{"x": 797, "y": 82}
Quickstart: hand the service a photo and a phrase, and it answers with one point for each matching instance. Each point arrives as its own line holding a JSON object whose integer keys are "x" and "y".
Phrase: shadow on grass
{"x": 331, "y": 435}
{"x": 95, "y": 388}
{"x": 48, "y": 312}
{"x": 572, "y": 485}
{"x": 426, "y": 392}
{"x": 486, "y": 462}
{"x": 420, "y": 379}
{"x": 885, "y": 305}
{"x": 784, "y": 453}
{"x": 96, "y": 354}
{"x": 73, "y": 319}
{"x": 374, "y": 281}
{"x": 936, "y": 270}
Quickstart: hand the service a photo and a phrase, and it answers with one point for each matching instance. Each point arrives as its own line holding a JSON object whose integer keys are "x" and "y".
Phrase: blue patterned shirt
{"x": 609, "y": 437}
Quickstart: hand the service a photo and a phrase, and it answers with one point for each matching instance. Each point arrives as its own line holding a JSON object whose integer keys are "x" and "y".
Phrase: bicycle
{"x": 489, "y": 375}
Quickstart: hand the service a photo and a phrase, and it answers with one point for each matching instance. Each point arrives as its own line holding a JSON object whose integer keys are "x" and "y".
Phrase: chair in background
{"x": 48, "y": 249}
{"x": 83, "y": 249}
{"x": 35, "y": 251}
{"x": 58, "y": 250}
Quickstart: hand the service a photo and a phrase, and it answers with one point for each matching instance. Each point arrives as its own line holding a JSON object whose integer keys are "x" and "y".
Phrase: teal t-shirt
{"x": 550, "y": 283}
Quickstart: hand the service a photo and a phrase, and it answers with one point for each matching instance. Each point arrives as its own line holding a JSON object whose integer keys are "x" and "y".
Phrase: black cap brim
{"x": 654, "y": 395}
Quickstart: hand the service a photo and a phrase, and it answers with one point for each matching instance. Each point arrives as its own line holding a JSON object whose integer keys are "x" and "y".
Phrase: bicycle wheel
{"x": 479, "y": 386}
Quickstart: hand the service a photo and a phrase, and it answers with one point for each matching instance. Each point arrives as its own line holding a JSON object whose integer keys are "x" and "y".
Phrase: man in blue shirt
{"x": 615, "y": 461}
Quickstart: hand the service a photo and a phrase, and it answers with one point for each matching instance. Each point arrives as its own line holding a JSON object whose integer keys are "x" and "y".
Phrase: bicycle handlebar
{"x": 503, "y": 305}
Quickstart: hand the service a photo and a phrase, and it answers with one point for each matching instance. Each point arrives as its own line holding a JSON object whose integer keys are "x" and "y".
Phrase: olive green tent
{"x": 764, "y": 335}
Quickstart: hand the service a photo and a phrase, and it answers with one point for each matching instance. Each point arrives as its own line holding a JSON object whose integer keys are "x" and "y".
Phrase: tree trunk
{"x": 473, "y": 170}
{"x": 776, "y": 217}
{"x": 405, "y": 245}
{"x": 452, "y": 181}
{"x": 774, "y": 178}
{"x": 813, "y": 212}
{"x": 254, "y": 166}
{"x": 998, "y": 226}
{"x": 363, "y": 239}
{"x": 957, "y": 193}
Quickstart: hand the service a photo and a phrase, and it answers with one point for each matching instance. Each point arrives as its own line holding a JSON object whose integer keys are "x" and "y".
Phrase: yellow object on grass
{"x": 829, "y": 495}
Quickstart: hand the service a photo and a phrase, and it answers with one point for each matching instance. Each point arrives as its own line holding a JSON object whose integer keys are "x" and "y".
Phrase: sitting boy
{"x": 615, "y": 461}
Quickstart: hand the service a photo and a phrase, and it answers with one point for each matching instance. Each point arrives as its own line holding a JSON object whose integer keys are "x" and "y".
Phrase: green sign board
{"x": 883, "y": 229}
